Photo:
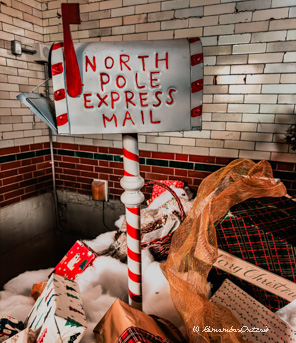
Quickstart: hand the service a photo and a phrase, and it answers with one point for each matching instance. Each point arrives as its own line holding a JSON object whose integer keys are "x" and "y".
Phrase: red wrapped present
{"x": 157, "y": 189}
{"x": 77, "y": 259}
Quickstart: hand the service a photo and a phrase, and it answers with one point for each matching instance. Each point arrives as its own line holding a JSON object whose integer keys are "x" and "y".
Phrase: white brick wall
{"x": 249, "y": 76}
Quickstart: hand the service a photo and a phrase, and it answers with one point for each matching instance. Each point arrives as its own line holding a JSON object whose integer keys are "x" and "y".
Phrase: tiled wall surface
{"x": 249, "y": 88}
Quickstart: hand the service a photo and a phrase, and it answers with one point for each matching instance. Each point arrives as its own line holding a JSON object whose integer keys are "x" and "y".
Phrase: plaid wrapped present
{"x": 135, "y": 335}
{"x": 58, "y": 314}
{"x": 77, "y": 259}
{"x": 262, "y": 232}
{"x": 25, "y": 336}
{"x": 9, "y": 327}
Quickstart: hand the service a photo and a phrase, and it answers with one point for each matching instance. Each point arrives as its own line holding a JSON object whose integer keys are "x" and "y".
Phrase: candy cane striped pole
{"x": 132, "y": 198}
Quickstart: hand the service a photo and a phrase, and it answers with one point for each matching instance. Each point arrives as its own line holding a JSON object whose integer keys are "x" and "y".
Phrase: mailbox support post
{"x": 132, "y": 197}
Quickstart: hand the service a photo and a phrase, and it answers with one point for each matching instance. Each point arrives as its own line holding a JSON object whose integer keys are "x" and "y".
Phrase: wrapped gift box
{"x": 25, "y": 336}
{"x": 123, "y": 323}
{"x": 262, "y": 232}
{"x": 77, "y": 259}
{"x": 9, "y": 327}
{"x": 258, "y": 324}
{"x": 58, "y": 313}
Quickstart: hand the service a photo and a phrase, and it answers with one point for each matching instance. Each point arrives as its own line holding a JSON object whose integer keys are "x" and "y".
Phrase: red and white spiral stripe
{"x": 132, "y": 198}
{"x": 196, "y": 81}
{"x": 59, "y": 88}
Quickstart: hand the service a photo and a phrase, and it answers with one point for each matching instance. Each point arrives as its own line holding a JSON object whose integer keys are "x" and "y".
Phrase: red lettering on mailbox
{"x": 92, "y": 65}
{"x": 128, "y": 99}
{"x": 102, "y": 80}
{"x": 122, "y": 62}
{"x": 109, "y": 119}
{"x": 87, "y": 100}
{"x": 127, "y": 117}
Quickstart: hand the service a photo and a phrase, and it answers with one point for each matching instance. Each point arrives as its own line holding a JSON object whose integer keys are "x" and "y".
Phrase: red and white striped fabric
{"x": 196, "y": 82}
{"x": 59, "y": 86}
{"x": 157, "y": 190}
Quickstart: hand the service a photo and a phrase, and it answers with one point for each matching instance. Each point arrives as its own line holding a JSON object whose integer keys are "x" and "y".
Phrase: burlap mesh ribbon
{"x": 194, "y": 246}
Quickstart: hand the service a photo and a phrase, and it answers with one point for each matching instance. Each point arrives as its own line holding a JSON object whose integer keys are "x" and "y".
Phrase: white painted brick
{"x": 194, "y": 3}
{"x": 256, "y": 137}
{"x": 65, "y": 139}
{"x": 244, "y": 145}
{"x": 291, "y": 35}
{"x": 230, "y": 79}
{"x": 217, "y": 50}
{"x": 271, "y": 36}
{"x": 224, "y": 152}
{"x": 222, "y": 29}
{"x": 258, "y": 118}
{"x": 7, "y": 143}
{"x": 276, "y": 108}
{"x": 254, "y": 155}
{"x": 12, "y": 135}
{"x": 292, "y": 12}
{"x": 22, "y": 126}
{"x": 287, "y": 99}
{"x": 247, "y": 69}
{"x": 234, "y": 39}
{"x": 233, "y": 117}
{"x": 113, "y": 137}
{"x": 24, "y": 141}
{"x": 260, "y": 99}
{"x": 280, "y": 68}
{"x": 213, "y": 125}
{"x": 219, "y": 9}
{"x": 122, "y": 11}
{"x": 208, "y": 99}
{"x": 270, "y": 13}
{"x": 285, "y": 119}
{"x": 211, "y": 143}
{"x": 262, "y": 79}
{"x": 189, "y": 12}
{"x": 282, "y": 3}
{"x": 266, "y": 58}
{"x": 206, "y": 116}
{"x": 195, "y": 151}
{"x": 234, "y": 59}
{"x": 274, "y": 128}
{"x": 228, "y": 98}
{"x": 160, "y": 35}
{"x": 104, "y": 5}
{"x": 156, "y": 140}
{"x": 118, "y": 145}
{"x": 134, "y": 2}
{"x": 214, "y": 107}
{"x": 204, "y": 21}
{"x": 198, "y": 134}
{"x": 210, "y": 60}
{"x": 271, "y": 147}
{"x": 215, "y": 89}
{"x": 259, "y": 26}
{"x": 225, "y": 135}
{"x": 135, "y": 37}
{"x": 235, "y": 18}
{"x": 123, "y": 30}
{"x": 249, "y": 48}
{"x": 174, "y": 4}
{"x": 282, "y": 46}
{"x": 148, "y": 27}
{"x": 155, "y": 7}
{"x": 283, "y": 89}
{"x": 187, "y": 33}
{"x": 278, "y": 138}
{"x": 290, "y": 56}
{"x": 244, "y": 89}
{"x": 208, "y": 41}
{"x": 5, "y": 127}
{"x": 219, "y": 70}
{"x": 243, "y": 108}
{"x": 170, "y": 134}
{"x": 253, "y": 5}
{"x": 174, "y": 24}
{"x": 282, "y": 157}
{"x": 182, "y": 141}
{"x": 241, "y": 127}
{"x": 160, "y": 16}
{"x": 166, "y": 148}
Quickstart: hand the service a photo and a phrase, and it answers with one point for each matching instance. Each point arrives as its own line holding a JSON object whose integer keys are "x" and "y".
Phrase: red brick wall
{"x": 26, "y": 171}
